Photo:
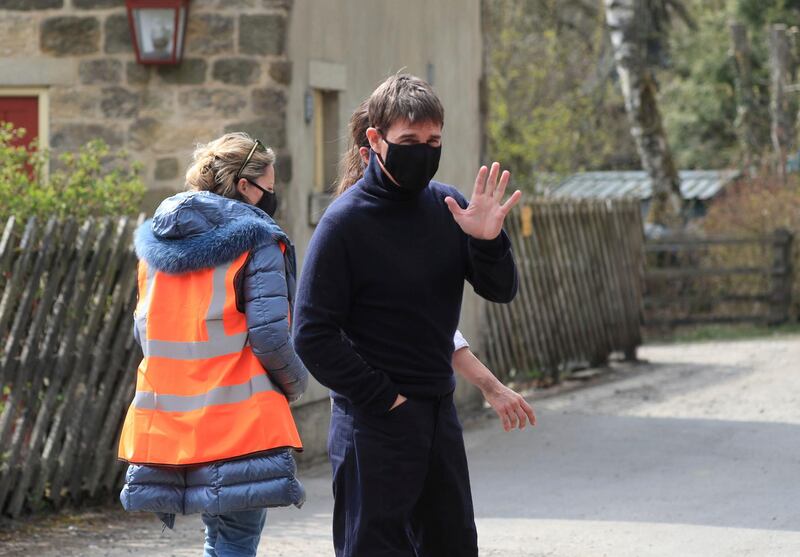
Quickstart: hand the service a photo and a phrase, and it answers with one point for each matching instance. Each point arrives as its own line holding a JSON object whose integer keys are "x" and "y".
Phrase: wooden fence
{"x": 718, "y": 279}
{"x": 68, "y": 290}
{"x": 580, "y": 297}
{"x": 67, "y": 294}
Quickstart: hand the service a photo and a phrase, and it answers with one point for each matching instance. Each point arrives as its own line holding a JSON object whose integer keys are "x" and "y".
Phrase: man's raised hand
{"x": 483, "y": 218}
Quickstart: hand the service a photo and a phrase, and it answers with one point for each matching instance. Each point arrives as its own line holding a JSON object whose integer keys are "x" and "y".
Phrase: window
{"x": 326, "y": 151}
{"x": 326, "y": 83}
{"x": 326, "y": 140}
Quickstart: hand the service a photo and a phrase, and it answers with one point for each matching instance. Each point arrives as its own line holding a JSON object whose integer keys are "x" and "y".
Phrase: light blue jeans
{"x": 233, "y": 534}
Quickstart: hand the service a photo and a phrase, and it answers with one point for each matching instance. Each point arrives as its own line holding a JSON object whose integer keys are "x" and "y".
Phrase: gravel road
{"x": 694, "y": 453}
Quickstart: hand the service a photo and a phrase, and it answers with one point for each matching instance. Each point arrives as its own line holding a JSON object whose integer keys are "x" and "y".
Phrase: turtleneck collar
{"x": 377, "y": 183}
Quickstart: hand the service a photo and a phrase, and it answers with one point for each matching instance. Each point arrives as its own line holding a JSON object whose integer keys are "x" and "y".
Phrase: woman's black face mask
{"x": 268, "y": 202}
{"x": 412, "y": 166}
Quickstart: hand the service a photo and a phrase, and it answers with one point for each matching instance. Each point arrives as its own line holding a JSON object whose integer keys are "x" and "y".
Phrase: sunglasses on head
{"x": 249, "y": 156}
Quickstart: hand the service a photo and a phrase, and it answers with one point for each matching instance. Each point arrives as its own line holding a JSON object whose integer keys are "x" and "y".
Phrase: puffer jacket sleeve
{"x": 266, "y": 305}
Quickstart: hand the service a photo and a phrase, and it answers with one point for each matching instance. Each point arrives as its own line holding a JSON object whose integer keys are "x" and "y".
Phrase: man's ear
{"x": 374, "y": 138}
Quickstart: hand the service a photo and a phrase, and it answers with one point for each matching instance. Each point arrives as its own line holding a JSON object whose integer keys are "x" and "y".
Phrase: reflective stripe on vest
{"x": 201, "y": 394}
{"x": 220, "y": 395}
{"x": 218, "y": 343}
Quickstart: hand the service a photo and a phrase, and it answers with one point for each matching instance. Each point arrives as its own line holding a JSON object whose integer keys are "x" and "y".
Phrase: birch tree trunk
{"x": 782, "y": 129}
{"x": 626, "y": 24}
{"x": 745, "y": 101}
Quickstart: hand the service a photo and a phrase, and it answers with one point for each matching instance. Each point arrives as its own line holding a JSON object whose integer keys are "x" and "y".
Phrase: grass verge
{"x": 705, "y": 333}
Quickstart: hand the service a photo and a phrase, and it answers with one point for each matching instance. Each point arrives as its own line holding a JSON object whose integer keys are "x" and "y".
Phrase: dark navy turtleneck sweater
{"x": 379, "y": 296}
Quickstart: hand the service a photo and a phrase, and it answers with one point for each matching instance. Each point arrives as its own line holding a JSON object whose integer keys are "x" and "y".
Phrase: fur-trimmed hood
{"x": 199, "y": 230}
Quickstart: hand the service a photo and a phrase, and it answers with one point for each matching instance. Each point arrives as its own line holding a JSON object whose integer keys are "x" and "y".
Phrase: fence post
{"x": 781, "y": 297}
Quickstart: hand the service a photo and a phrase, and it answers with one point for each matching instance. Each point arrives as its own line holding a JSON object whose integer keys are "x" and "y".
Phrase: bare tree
{"x": 630, "y": 26}
{"x": 780, "y": 63}
{"x": 745, "y": 101}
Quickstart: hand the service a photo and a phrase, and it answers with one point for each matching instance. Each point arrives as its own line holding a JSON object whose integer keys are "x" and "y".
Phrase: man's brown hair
{"x": 404, "y": 97}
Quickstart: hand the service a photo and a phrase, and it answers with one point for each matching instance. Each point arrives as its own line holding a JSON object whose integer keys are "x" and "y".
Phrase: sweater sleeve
{"x": 491, "y": 269}
{"x": 266, "y": 306}
{"x": 322, "y": 309}
{"x": 490, "y": 264}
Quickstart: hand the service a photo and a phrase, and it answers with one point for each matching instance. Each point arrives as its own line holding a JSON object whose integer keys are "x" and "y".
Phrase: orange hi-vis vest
{"x": 201, "y": 394}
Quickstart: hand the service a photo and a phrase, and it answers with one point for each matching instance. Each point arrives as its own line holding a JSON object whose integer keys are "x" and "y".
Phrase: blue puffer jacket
{"x": 199, "y": 230}
{"x": 255, "y": 482}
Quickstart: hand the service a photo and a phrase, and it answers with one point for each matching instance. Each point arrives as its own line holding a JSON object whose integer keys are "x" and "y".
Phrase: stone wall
{"x": 234, "y": 76}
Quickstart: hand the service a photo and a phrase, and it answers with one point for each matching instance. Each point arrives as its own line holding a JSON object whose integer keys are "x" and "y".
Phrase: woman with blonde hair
{"x": 511, "y": 408}
{"x": 209, "y": 430}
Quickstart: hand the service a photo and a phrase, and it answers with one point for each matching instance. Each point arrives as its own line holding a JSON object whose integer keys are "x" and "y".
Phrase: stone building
{"x": 288, "y": 72}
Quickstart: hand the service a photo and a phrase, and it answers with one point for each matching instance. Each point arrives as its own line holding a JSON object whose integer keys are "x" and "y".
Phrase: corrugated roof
{"x": 695, "y": 184}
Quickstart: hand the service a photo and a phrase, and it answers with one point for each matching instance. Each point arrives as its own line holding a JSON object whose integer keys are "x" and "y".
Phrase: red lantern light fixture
{"x": 158, "y": 28}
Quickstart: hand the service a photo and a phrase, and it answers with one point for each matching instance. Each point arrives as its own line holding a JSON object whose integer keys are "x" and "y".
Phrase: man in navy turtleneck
{"x": 378, "y": 302}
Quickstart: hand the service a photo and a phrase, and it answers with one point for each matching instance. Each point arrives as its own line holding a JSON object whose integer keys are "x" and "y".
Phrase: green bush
{"x": 758, "y": 206}
{"x": 94, "y": 182}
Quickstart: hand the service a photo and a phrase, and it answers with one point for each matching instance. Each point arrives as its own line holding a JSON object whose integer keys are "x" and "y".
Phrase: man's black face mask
{"x": 412, "y": 166}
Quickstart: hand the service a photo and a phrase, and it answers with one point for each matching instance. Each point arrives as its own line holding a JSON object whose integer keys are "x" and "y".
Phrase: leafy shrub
{"x": 758, "y": 206}
{"x": 93, "y": 182}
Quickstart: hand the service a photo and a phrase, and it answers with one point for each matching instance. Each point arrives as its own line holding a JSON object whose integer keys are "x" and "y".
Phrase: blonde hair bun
{"x": 215, "y": 164}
